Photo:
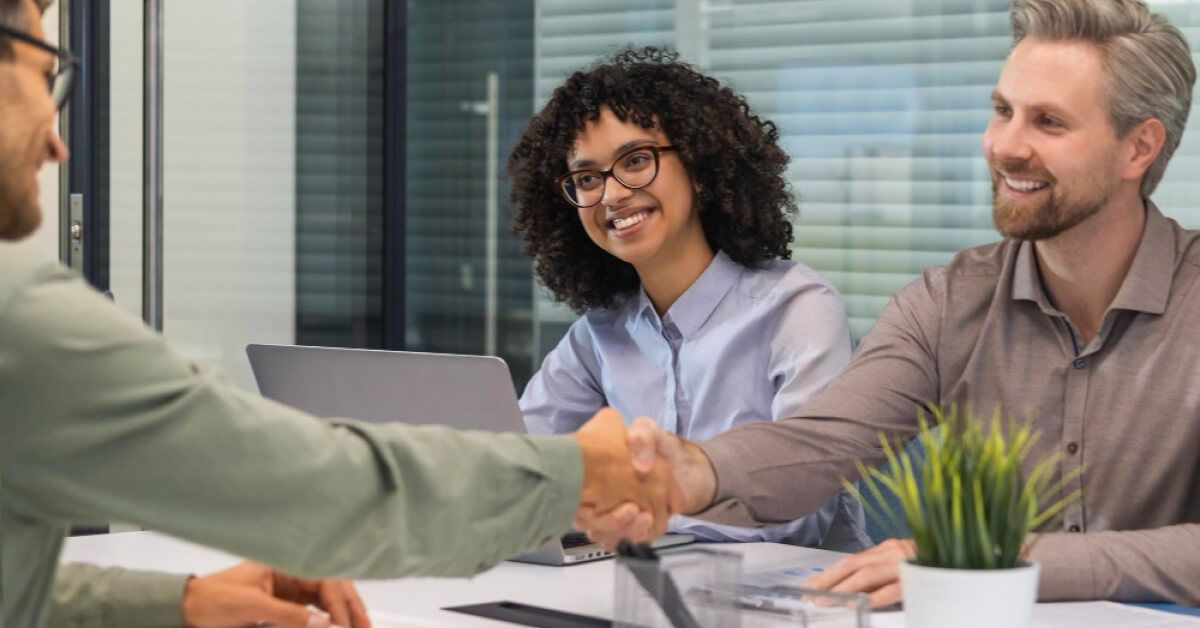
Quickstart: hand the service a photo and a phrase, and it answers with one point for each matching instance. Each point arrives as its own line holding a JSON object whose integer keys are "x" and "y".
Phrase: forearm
{"x": 772, "y": 473}
{"x": 1161, "y": 564}
{"x": 370, "y": 502}
{"x": 143, "y": 436}
{"x": 87, "y": 596}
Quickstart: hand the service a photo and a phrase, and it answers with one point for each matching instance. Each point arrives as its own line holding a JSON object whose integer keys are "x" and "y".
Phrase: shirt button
{"x": 1072, "y": 448}
{"x": 1080, "y": 363}
{"x": 1074, "y": 528}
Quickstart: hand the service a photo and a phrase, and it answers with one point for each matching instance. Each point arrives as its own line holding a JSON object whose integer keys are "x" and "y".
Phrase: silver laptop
{"x": 389, "y": 386}
{"x": 410, "y": 387}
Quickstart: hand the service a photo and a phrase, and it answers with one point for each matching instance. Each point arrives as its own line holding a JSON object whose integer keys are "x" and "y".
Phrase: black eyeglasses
{"x": 634, "y": 169}
{"x": 60, "y": 81}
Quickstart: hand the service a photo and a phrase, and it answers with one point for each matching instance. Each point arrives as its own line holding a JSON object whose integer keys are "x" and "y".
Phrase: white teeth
{"x": 629, "y": 221}
{"x": 1024, "y": 186}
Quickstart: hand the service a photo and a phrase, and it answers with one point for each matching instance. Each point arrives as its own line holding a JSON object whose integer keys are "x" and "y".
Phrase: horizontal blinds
{"x": 339, "y": 184}
{"x": 881, "y": 105}
{"x": 452, "y": 46}
{"x": 881, "y": 108}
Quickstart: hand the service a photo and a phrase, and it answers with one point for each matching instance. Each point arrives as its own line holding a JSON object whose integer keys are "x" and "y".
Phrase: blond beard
{"x": 1043, "y": 221}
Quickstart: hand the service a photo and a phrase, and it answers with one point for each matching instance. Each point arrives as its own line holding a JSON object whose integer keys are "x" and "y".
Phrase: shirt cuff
{"x": 1067, "y": 570}
{"x": 563, "y": 466}
{"x": 147, "y": 598}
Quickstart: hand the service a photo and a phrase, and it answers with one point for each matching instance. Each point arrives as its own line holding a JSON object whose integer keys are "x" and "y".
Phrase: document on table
{"x": 1071, "y": 614}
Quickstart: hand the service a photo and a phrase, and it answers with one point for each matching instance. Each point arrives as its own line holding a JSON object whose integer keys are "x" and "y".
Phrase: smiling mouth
{"x": 625, "y": 222}
{"x": 1024, "y": 185}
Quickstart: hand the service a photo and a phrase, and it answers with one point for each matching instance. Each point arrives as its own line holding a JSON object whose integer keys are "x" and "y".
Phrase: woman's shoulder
{"x": 781, "y": 280}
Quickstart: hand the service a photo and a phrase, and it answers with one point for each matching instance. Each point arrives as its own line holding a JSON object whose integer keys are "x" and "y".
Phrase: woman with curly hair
{"x": 652, "y": 200}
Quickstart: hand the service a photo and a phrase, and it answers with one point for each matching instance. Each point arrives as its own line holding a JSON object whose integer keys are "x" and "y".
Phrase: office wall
{"x": 229, "y": 174}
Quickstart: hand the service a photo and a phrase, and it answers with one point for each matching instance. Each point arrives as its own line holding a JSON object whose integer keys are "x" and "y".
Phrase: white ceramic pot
{"x": 979, "y": 598}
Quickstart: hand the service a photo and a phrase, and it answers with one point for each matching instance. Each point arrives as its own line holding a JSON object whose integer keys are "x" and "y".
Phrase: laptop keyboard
{"x": 575, "y": 539}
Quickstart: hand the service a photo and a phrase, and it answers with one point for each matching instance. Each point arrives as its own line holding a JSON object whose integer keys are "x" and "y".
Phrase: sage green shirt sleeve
{"x": 102, "y": 421}
{"x": 87, "y": 596}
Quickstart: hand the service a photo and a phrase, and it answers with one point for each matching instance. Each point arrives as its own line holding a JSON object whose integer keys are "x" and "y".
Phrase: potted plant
{"x": 972, "y": 502}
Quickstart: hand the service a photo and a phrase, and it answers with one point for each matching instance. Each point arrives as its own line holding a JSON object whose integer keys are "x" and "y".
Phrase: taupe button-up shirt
{"x": 982, "y": 331}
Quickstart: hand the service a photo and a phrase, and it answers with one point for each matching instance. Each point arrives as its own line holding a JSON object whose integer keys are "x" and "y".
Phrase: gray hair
{"x": 12, "y": 15}
{"x": 1149, "y": 66}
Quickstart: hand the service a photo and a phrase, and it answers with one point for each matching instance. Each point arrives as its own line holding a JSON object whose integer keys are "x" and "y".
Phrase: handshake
{"x": 634, "y": 480}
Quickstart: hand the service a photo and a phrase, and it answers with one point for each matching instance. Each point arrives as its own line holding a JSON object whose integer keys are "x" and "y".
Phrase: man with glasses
{"x": 29, "y": 130}
{"x": 83, "y": 593}
{"x": 101, "y": 421}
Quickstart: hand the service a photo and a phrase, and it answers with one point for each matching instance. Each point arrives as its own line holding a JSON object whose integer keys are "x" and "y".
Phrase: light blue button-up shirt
{"x": 739, "y": 345}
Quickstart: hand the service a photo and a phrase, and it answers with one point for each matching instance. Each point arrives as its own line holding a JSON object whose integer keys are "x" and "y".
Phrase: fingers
{"x": 626, "y": 521}
{"x": 358, "y": 610}
{"x": 869, "y": 578}
{"x": 333, "y": 601}
{"x": 664, "y": 492}
{"x": 875, "y": 571}
{"x": 644, "y": 436}
{"x": 886, "y": 596}
{"x": 627, "y": 466}
{"x": 835, "y": 573}
{"x": 251, "y": 594}
{"x": 241, "y": 606}
{"x": 609, "y": 477}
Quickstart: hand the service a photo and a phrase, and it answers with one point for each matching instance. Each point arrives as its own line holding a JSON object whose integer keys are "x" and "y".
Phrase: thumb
{"x": 643, "y": 437}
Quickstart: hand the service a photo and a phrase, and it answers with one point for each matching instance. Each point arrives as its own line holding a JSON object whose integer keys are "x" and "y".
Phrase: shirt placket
{"x": 1074, "y": 410}
{"x": 664, "y": 357}
{"x": 677, "y": 401}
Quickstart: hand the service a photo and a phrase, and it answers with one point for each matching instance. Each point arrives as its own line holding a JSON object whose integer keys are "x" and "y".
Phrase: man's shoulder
{"x": 987, "y": 260}
{"x": 24, "y": 268}
{"x": 977, "y": 268}
{"x": 1187, "y": 243}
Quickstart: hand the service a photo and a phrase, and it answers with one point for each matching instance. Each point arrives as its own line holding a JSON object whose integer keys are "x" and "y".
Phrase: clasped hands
{"x": 634, "y": 480}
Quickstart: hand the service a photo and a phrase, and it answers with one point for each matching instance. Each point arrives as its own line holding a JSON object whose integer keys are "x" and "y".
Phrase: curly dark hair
{"x": 734, "y": 156}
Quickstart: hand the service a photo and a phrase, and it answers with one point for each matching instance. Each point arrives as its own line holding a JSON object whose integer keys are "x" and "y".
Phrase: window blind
{"x": 881, "y": 105}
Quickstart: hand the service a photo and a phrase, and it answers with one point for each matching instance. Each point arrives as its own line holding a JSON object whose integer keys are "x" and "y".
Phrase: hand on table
{"x": 250, "y": 593}
{"x": 653, "y": 452}
{"x": 875, "y": 571}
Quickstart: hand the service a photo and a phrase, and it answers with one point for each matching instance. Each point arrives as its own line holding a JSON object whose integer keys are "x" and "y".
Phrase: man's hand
{"x": 250, "y": 593}
{"x": 875, "y": 571}
{"x": 650, "y": 448}
{"x": 646, "y": 496}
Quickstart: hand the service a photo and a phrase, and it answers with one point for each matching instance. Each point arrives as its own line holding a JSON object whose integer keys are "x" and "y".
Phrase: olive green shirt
{"x": 981, "y": 330}
{"x": 87, "y": 596}
{"x": 101, "y": 421}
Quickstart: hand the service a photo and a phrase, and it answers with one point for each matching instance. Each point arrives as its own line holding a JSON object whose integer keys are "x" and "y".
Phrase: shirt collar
{"x": 697, "y": 303}
{"x": 1147, "y": 285}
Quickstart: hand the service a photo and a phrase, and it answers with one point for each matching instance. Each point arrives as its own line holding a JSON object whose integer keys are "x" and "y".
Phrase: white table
{"x": 584, "y": 589}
